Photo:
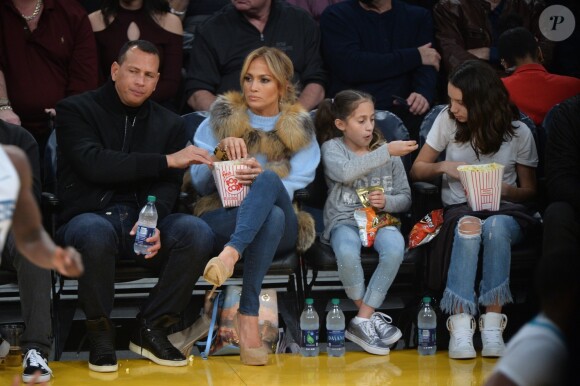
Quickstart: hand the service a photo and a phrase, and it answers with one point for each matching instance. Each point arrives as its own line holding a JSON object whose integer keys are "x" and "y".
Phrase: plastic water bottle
{"x": 427, "y": 323}
{"x": 309, "y": 324}
{"x": 145, "y": 226}
{"x": 335, "y": 325}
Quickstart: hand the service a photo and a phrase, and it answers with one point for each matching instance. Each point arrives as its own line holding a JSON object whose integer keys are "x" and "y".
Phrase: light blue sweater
{"x": 302, "y": 165}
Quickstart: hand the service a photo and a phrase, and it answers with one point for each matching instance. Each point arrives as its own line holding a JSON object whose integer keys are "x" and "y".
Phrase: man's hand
{"x": 429, "y": 56}
{"x": 68, "y": 262}
{"x": 418, "y": 104}
{"x": 189, "y": 156}
{"x": 155, "y": 240}
{"x": 401, "y": 148}
{"x": 10, "y": 117}
{"x": 481, "y": 53}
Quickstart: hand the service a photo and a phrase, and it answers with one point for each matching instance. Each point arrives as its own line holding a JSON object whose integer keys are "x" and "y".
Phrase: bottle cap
{"x": 309, "y": 301}
{"x": 335, "y": 301}
{"x": 151, "y": 198}
{"x": 427, "y": 299}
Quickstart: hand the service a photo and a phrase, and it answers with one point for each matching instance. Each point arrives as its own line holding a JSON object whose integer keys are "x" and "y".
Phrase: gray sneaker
{"x": 364, "y": 335}
{"x": 387, "y": 333}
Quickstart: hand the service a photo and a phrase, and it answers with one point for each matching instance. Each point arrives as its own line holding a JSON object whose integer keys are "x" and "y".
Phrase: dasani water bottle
{"x": 145, "y": 226}
{"x": 335, "y": 325}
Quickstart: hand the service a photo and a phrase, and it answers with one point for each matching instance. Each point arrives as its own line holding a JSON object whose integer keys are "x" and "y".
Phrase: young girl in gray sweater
{"x": 355, "y": 155}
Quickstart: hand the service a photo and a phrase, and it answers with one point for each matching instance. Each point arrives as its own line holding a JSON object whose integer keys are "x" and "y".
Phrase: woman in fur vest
{"x": 274, "y": 135}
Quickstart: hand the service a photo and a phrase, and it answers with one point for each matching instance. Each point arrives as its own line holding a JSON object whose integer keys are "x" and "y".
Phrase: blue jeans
{"x": 497, "y": 234}
{"x": 263, "y": 225}
{"x": 103, "y": 237}
{"x": 346, "y": 244}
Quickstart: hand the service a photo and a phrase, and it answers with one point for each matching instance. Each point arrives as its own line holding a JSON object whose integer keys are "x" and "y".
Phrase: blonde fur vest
{"x": 293, "y": 131}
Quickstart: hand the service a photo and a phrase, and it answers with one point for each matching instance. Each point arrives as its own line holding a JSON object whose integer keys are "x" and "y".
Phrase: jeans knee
{"x": 190, "y": 230}
{"x": 497, "y": 228}
{"x": 276, "y": 219}
{"x": 469, "y": 227}
{"x": 90, "y": 232}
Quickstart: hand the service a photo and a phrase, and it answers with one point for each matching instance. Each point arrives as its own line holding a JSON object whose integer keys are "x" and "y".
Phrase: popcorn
{"x": 231, "y": 191}
{"x": 482, "y": 184}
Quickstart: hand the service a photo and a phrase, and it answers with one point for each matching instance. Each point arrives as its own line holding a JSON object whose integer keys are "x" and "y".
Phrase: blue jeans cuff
{"x": 452, "y": 302}
{"x": 499, "y": 295}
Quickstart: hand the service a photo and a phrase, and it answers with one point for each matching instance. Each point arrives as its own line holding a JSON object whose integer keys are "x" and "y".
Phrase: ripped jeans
{"x": 496, "y": 234}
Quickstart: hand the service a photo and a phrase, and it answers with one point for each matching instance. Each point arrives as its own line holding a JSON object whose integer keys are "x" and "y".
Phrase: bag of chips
{"x": 426, "y": 229}
{"x": 368, "y": 220}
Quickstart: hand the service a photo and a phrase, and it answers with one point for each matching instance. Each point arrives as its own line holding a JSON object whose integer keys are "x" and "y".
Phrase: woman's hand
{"x": 377, "y": 199}
{"x": 247, "y": 176}
{"x": 234, "y": 147}
{"x": 401, "y": 148}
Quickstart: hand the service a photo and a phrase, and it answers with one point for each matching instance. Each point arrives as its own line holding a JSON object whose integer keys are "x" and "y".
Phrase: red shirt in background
{"x": 58, "y": 59}
{"x": 535, "y": 91}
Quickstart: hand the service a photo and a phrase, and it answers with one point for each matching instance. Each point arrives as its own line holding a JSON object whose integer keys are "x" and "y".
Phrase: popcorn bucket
{"x": 482, "y": 184}
{"x": 231, "y": 191}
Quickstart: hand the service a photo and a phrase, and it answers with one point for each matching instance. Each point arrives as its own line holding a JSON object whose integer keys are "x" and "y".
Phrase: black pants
{"x": 102, "y": 238}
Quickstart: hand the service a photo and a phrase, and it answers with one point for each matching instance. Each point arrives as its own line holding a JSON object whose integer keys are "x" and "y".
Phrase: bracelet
{"x": 176, "y": 12}
{"x": 6, "y": 107}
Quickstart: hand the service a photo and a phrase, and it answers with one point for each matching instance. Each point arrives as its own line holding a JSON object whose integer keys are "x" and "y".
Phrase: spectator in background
{"x": 223, "y": 42}
{"x": 531, "y": 87}
{"x": 47, "y": 44}
{"x": 119, "y": 21}
{"x": 544, "y": 351}
{"x": 382, "y": 47}
{"x": 314, "y": 7}
{"x": 470, "y": 29}
{"x": 193, "y": 13}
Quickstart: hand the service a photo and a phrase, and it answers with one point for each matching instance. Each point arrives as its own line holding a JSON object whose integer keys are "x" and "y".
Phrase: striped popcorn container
{"x": 231, "y": 191}
{"x": 482, "y": 184}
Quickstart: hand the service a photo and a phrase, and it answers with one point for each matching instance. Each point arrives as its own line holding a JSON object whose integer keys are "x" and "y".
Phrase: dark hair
{"x": 143, "y": 45}
{"x": 490, "y": 112}
{"x": 341, "y": 107}
{"x": 110, "y": 8}
{"x": 517, "y": 43}
{"x": 370, "y": 3}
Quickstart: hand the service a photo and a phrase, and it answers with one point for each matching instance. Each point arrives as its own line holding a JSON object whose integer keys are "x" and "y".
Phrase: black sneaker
{"x": 34, "y": 363}
{"x": 153, "y": 343}
{"x": 101, "y": 335}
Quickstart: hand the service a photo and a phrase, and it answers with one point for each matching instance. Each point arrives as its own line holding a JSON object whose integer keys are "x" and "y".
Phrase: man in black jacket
{"x": 116, "y": 147}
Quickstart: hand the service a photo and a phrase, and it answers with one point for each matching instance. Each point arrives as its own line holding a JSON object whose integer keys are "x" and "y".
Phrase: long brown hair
{"x": 489, "y": 110}
{"x": 341, "y": 107}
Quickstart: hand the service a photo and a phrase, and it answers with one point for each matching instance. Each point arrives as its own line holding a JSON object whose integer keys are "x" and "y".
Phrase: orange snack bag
{"x": 369, "y": 223}
{"x": 426, "y": 229}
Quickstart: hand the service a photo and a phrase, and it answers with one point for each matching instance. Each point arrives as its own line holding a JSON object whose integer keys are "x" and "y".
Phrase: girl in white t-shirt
{"x": 479, "y": 126}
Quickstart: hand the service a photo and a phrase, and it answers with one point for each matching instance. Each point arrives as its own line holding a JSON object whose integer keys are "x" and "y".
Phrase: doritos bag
{"x": 426, "y": 229}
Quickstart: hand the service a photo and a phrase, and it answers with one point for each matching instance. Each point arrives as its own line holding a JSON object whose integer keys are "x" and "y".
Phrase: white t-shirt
{"x": 9, "y": 187}
{"x": 536, "y": 355}
{"x": 520, "y": 149}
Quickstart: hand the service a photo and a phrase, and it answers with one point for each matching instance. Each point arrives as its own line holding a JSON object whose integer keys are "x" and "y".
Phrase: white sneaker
{"x": 461, "y": 328}
{"x": 491, "y": 326}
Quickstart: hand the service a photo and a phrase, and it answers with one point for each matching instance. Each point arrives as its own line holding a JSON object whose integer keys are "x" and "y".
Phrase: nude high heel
{"x": 251, "y": 356}
{"x": 216, "y": 273}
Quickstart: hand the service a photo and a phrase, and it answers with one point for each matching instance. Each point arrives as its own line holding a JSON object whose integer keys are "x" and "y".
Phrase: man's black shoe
{"x": 101, "y": 335}
{"x": 151, "y": 342}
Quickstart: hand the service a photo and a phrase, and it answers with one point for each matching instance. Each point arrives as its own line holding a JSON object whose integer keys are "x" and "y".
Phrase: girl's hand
{"x": 247, "y": 176}
{"x": 377, "y": 199}
{"x": 401, "y": 148}
{"x": 234, "y": 147}
{"x": 450, "y": 168}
